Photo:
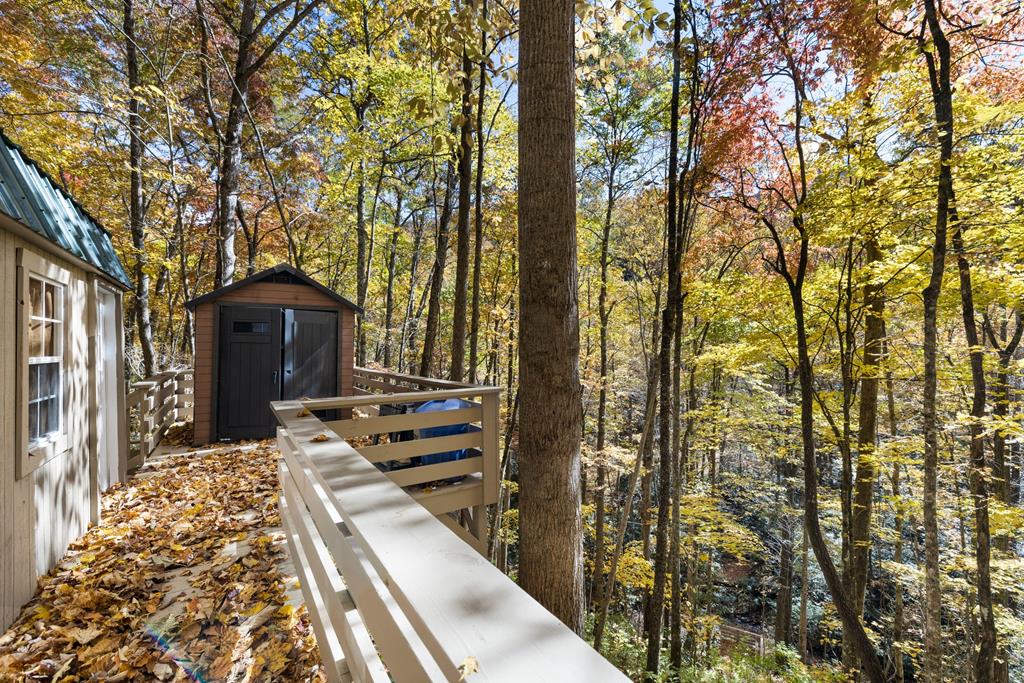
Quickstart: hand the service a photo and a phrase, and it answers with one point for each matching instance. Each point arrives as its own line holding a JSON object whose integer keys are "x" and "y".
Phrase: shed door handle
{"x": 274, "y": 376}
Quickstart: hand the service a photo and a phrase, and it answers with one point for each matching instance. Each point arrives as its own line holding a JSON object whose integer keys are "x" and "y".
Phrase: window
{"x": 45, "y": 358}
{"x": 44, "y": 314}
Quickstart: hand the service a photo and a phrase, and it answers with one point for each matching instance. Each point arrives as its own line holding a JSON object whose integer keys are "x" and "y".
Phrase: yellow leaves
{"x": 468, "y": 667}
{"x": 303, "y": 412}
{"x": 182, "y": 576}
{"x": 320, "y": 438}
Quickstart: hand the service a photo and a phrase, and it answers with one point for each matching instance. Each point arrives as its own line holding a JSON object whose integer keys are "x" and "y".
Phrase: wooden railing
{"x": 153, "y": 405}
{"x": 395, "y": 587}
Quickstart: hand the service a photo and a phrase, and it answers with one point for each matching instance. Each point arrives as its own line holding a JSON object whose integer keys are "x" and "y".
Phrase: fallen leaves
{"x": 320, "y": 438}
{"x": 181, "y": 581}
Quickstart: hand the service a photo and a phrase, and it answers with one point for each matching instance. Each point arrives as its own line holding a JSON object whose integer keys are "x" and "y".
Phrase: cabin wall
{"x": 51, "y": 506}
{"x": 268, "y": 294}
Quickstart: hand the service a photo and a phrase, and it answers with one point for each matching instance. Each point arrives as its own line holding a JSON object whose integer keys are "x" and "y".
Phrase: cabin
{"x": 63, "y": 436}
{"x": 276, "y": 335}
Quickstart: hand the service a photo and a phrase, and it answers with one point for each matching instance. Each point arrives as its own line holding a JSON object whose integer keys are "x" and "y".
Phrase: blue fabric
{"x": 446, "y": 430}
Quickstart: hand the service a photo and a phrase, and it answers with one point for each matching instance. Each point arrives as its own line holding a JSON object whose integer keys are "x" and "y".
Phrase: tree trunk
{"x": 896, "y": 652}
{"x": 601, "y": 610}
{"x": 478, "y": 204}
{"x": 656, "y": 606}
{"x": 942, "y": 100}
{"x": 978, "y": 475}
{"x": 135, "y": 198}
{"x": 551, "y": 538}
{"x": 389, "y": 300}
{"x": 856, "y": 571}
{"x": 437, "y": 276}
{"x": 458, "y": 369}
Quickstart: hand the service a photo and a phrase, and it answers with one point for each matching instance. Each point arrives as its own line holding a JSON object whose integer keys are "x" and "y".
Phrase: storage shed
{"x": 63, "y": 434}
{"x": 276, "y": 335}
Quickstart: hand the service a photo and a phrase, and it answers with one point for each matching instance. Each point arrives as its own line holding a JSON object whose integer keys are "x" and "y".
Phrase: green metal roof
{"x": 31, "y": 197}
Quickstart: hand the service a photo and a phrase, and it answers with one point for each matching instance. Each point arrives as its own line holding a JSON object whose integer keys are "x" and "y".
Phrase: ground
{"x": 186, "y": 578}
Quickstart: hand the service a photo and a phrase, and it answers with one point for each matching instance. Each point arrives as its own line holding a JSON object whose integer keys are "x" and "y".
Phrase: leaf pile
{"x": 181, "y": 581}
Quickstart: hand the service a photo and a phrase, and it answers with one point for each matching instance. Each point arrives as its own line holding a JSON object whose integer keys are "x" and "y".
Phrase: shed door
{"x": 249, "y": 371}
{"x": 310, "y": 354}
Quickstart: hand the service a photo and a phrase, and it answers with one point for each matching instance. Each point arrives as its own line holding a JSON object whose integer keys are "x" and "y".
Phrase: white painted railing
{"x": 396, "y": 588}
{"x": 153, "y": 405}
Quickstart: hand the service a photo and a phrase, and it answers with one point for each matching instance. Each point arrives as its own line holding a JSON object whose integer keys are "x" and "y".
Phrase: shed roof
{"x": 282, "y": 271}
{"x": 31, "y": 197}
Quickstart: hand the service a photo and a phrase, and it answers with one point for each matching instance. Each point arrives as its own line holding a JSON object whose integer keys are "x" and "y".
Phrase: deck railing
{"x": 153, "y": 405}
{"x": 391, "y": 570}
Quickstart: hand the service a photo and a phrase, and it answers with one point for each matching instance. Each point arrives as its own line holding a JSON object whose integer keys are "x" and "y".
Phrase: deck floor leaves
{"x": 186, "y": 579}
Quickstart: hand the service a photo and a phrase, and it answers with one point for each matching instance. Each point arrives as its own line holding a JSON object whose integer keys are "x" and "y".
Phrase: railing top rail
{"x": 459, "y": 603}
{"x": 415, "y": 379}
{"x": 400, "y": 397}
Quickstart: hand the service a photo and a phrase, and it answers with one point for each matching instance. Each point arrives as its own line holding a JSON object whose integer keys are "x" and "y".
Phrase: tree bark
{"x": 478, "y": 204}
{"x": 984, "y": 670}
{"x": 389, "y": 297}
{"x": 551, "y": 539}
{"x": 656, "y": 605}
{"x": 437, "y": 276}
{"x": 136, "y": 203}
{"x": 856, "y": 571}
{"x": 458, "y": 369}
{"x": 942, "y": 100}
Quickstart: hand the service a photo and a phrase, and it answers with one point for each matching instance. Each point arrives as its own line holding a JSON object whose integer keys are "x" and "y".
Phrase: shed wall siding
{"x": 267, "y": 294}
{"x": 43, "y": 512}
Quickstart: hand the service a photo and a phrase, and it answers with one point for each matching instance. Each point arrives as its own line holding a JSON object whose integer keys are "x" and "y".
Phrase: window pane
{"x": 35, "y": 338}
{"x": 44, "y": 417}
{"x": 50, "y": 296}
{"x": 49, "y": 340}
{"x": 35, "y": 289}
{"x": 35, "y": 384}
{"x": 33, "y": 421}
{"x": 50, "y": 379}
{"x": 52, "y": 425}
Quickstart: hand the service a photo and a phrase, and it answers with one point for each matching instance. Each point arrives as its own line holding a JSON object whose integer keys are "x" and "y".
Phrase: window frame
{"x": 34, "y": 453}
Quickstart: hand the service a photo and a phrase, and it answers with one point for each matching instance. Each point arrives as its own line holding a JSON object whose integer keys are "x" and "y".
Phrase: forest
{"x": 756, "y": 302}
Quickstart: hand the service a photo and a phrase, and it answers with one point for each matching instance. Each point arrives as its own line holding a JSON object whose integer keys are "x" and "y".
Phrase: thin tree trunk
{"x": 551, "y": 534}
{"x": 135, "y": 199}
{"x": 978, "y": 475}
{"x": 896, "y": 651}
{"x": 389, "y": 297}
{"x": 437, "y": 276}
{"x": 942, "y": 100}
{"x": 478, "y": 203}
{"x": 856, "y": 572}
{"x": 656, "y": 606}
{"x": 458, "y": 368}
{"x": 601, "y": 610}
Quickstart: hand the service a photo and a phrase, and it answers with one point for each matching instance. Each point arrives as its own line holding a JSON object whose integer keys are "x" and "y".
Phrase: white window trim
{"x": 31, "y": 458}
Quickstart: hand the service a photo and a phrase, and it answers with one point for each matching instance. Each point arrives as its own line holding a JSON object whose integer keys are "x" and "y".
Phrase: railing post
{"x": 489, "y": 425}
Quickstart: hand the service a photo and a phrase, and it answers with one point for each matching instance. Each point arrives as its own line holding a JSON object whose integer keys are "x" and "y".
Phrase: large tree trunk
{"x": 437, "y": 276}
{"x": 458, "y": 369}
{"x": 656, "y": 605}
{"x": 135, "y": 195}
{"x": 942, "y": 100}
{"x": 550, "y": 541}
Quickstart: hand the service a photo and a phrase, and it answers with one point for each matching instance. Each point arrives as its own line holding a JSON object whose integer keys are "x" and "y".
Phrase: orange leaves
{"x": 180, "y": 580}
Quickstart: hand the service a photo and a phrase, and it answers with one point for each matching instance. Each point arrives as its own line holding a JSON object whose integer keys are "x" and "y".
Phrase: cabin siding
{"x": 286, "y": 295}
{"x": 50, "y": 507}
